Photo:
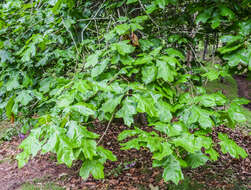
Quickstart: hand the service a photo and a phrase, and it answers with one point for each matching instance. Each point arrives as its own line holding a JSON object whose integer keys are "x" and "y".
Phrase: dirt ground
{"x": 42, "y": 167}
{"x": 132, "y": 170}
{"x": 244, "y": 87}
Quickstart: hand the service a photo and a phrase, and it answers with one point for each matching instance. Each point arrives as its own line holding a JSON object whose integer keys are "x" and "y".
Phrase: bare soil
{"x": 41, "y": 167}
{"x": 132, "y": 170}
{"x": 244, "y": 87}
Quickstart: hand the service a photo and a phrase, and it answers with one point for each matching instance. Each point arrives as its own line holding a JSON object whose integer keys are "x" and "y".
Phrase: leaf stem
{"x": 107, "y": 127}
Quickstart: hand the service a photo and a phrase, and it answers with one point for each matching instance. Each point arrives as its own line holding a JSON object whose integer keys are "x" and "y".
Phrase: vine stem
{"x": 107, "y": 127}
{"x": 91, "y": 19}
{"x": 68, "y": 30}
{"x": 153, "y": 21}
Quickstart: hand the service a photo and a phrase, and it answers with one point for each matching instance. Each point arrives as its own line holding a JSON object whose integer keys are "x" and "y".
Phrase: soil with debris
{"x": 244, "y": 88}
{"x": 132, "y": 170}
{"x": 41, "y": 167}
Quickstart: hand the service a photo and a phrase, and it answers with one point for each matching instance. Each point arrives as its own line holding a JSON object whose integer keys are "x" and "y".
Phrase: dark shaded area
{"x": 244, "y": 88}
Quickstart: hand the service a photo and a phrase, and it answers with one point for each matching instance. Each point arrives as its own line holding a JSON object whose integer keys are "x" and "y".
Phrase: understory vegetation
{"x": 152, "y": 65}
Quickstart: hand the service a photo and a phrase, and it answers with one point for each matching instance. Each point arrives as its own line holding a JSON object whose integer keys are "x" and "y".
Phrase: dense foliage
{"x": 67, "y": 63}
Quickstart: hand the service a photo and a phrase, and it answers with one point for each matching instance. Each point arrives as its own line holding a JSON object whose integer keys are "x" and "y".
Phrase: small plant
{"x": 9, "y": 134}
{"x": 186, "y": 184}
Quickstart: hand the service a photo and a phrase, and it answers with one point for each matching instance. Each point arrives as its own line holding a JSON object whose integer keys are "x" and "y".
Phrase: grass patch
{"x": 48, "y": 186}
{"x": 186, "y": 184}
{"x": 3, "y": 128}
{"x": 230, "y": 90}
{"x": 229, "y": 87}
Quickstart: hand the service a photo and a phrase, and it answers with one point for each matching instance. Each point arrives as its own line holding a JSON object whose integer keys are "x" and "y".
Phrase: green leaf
{"x": 149, "y": 74}
{"x": 196, "y": 114}
{"x": 165, "y": 151}
{"x": 12, "y": 84}
{"x": 175, "y": 53}
{"x": 22, "y": 159}
{"x": 122, "y": 29}
{"x": 172, "y": 170}
{"x": 29, "y": 53}
{"x": 235, "y": 113}
{"x": 203, "y": 16}
{"x": 134, "y": 143}
{"x": 126, "y": 60}
{"x": 92, "y": 60}
{"x": 93, "y": 167}
{"x": 229, "y": 48}
{"x": 65, "y": 155}
{"x": 230, "y": 39}
{"x": 110, "y": 105}
{"x": 212, "y": 75}
{"x": 51, "y": 144}
{"x": 31, "y": 146}
{"x": 234, "y": 59}
{"x": 174, "y": 129}
{"x": 161, "y": 3}
{"x": 127, "y": 111}
{"x": 9, "y": 106}
{"x": 107, "y": 154}
{"x": 78, "y": 132}
{"x": 165, "y": 72}
{"x": 215, "y": 23}
{"x": 5, "y": 56}
{"x": 127, "y": 133}
{"x": 45, "y": 85}
{"x": 131, "y": 1}
{"x": 151, "y": 8}
{"x": 164, "y": 111}
{"x": 143, "y": 60}
{"x": 187, "y": 141}
{"x": 195, "y": 160}
{"x": 204, "y": 119}
{"x": 224, "y": 11}
{"x": 88, "y": 148}
{"x": 190, "y": 115}
{"x": 146, "y": 105}
{"x": 153, "y": 143}
{"x": 202, "y": 141}
{"x": 207, "y": 100}
{"x": 213, "y": 154}
{"x": 145, "y": 44}
{"x": 83, "y": 108}
{"x": 98, "y": 69}
{"x": 123, "y": 47}
{"x": 240, "y": 101}
{"x": 24, "y": 97}
{"x": 140, "y": 19}
{"x": 229, "y": 146}
{"x": 172, "y": 61}
{"x": 219, "y": 98}
{"x": 65, "y": 100}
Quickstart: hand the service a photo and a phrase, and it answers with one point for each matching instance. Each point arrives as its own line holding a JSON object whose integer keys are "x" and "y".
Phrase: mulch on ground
{"x": 132, "y": 170}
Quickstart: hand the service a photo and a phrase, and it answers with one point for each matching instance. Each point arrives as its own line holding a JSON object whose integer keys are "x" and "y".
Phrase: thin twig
{"x": 153, "y": 21}
{"x": 93, "y": 18}
{"x": 107, "y": 127}
{"x": 75, "y": 44}
{"x": 97, "y": 31}
{"x": 88, "y": 19}
{"x": 71, "y": 36}
{"x": 196, "y": 58}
